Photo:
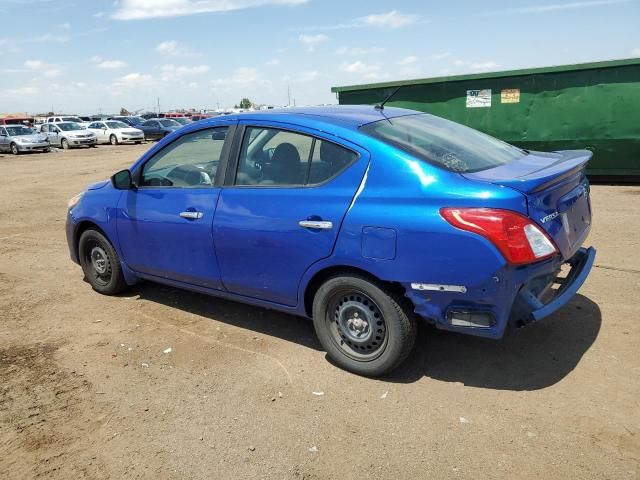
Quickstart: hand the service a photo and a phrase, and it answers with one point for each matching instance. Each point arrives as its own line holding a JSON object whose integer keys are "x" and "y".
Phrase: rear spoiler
{"x": 536, "y": 171}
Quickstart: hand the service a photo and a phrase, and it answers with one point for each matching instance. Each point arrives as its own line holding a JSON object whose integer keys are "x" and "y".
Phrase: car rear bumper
{"x": 512, "y": 296}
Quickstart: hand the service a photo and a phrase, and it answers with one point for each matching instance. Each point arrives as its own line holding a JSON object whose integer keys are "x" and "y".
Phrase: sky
{"x": 86, "y": 57}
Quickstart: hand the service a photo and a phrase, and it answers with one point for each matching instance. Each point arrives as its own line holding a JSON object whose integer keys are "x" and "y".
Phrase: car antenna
{"x": 381, "y": 105}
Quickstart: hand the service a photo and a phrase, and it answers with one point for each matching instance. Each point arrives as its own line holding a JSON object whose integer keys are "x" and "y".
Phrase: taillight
{"x": 516, "y": 236}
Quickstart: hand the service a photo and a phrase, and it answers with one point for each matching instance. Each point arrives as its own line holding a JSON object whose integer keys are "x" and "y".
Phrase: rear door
{"x": 165, "y": 225}
{"x": 282, "y": 208}
{"x": 4, "y": 139}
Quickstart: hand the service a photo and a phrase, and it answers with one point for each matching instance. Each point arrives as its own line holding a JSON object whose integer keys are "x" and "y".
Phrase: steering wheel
{"x": 188, "y": 176}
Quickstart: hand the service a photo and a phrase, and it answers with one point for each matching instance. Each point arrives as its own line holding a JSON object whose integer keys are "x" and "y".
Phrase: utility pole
{"x": 158, "y": 106}
{"x": 288, "y": 96}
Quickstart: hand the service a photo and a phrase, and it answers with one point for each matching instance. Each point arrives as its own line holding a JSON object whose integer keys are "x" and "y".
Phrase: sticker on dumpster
{"x": 479, "y": 98}
{"x": 510, "y": 95}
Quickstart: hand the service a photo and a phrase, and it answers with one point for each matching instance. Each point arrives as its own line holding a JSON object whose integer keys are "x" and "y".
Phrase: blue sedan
{"x": 364, "y": 219}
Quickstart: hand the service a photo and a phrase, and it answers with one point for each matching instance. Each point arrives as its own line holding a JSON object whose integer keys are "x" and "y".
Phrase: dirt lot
{"x": 86, "y": 390}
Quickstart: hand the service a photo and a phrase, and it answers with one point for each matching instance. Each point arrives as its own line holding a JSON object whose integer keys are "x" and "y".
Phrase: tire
{"x": 64, "y": 143}
{"x": 113, "y": 140}
{"x": 364, "y": 327}
{"x": 47, "y": 150}
{"x": 100, "y": 263}
{"x": 14, "y": 149}
{"x": 138, "y": 142}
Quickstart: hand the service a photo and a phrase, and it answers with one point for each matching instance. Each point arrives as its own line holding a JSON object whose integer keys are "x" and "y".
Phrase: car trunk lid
{"x": 556, "y": 189}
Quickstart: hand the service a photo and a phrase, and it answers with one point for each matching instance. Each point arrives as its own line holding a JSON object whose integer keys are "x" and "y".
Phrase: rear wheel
{"x": 113, "y": 140}
{"x": 100, "y": 263}
{"x": 64, "y": 143}
{"x": 14, "y": 149}
{"x": 363, "y": 325}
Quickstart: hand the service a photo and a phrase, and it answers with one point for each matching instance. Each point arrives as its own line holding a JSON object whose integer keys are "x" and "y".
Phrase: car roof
{"x": 350, "y": 116}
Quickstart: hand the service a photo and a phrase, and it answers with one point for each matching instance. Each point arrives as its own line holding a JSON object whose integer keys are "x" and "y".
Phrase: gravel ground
{"x": 88, "y": 392}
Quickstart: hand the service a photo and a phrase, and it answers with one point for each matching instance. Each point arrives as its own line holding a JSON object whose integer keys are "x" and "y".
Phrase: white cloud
{"x": 175, "y": 49}
{"x": 458, "y": 63}
{"x": 312, "y": 40}
{"x": 273, "y": 62}
{"x": 133, "y": 79}
{"x": 359, "y": 67}
{"x": 49, "y": 37}
{"x": 352, "y": 51}
{"x": 22, "y": 91}
{"x": 392, "y": 19}
{"x": 557, "y": 6}
{"x": 635, "y": 52}
{"x": 308, "y": 76}
{"x": 439, "y": 56}
{"x": 141, "y": 9}
{"x": 241, "y": 76}
{"x": 408, "y": 60}
{"x": 171, "y": 71}
{"x": 98, "y": 14}
{"x": 484, "y": 65}
{"x": 111, "y": 64}
{"x": 65, "y": 25}
{"x": 48, "y": 70}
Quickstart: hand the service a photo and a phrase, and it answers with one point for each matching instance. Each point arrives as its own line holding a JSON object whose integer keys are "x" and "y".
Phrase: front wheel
{"x": 100, "y": 263}
{"x": 64, "y": 143}
{"x": 14, "y": 149}
{"x": 113, "y": 140}
{"x": 363, "y": 325}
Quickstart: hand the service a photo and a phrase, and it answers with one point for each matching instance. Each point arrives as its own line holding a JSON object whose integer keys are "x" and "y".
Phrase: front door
{"x": 4, "y": 139}
{"x": 165, "y": 225}
{"x": 283, "y": 209}
{"x": 52, "y": 133}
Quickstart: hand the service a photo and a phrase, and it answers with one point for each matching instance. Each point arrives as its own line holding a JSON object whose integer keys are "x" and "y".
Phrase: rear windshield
{"x": 443, "y": 143}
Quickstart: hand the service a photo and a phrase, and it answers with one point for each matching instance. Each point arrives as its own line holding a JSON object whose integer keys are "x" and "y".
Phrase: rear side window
{"x": 189, "y": 162}
{"x": 274, "y": 157}
{"x": 443, "y": 143}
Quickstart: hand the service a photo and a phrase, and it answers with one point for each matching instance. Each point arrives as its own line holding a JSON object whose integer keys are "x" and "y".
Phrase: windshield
{"x": 443, "y": 143}
{"x": 169, "y": 123}
{"x": 19, "y": 130}
{"x": 68, "y": 127}
{"x": 117, "y": 125}
{"x": 182, "y": 120}
{"x": 136, "y": 120}
{"x": 71, "y": 119}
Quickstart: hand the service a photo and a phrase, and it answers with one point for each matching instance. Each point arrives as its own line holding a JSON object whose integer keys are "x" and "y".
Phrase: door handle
{"x": 316, "y": 224}
{"x": 191, "y": 215}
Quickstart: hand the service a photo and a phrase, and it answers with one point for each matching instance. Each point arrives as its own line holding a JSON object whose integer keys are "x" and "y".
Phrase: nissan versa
{"x": 362, "y": 218}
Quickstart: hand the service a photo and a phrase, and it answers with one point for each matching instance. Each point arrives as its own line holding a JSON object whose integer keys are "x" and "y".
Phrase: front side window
{"x": 190, "y": 162}
{"x": 116, "y": 125}
{"x": 276, "y": 157}
{"x": 443, "y": 143}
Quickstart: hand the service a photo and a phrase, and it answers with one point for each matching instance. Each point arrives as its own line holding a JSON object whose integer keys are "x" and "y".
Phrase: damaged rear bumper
{"x": 513, "y": 295}
{"x": 529, "y": 306}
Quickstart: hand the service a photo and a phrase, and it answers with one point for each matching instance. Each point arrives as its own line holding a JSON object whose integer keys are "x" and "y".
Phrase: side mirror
{"x": 104, "y": 128}
{"x": 122, "y": 180}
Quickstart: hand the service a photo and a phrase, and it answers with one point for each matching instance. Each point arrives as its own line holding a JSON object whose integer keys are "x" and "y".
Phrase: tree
{"x": 245, "y": 103}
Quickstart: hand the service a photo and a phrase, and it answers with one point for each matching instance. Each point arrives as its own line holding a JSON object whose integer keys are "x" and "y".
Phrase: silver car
{"x": 18, "y": 138}
{"x": 68, "y": 135}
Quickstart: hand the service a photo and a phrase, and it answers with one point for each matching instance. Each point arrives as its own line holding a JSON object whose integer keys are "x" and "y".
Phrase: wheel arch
{"x": 82, "y": 227}
{"x": 324, "y": 274}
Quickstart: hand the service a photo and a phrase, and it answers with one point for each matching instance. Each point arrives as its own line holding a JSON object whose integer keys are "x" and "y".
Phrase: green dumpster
{"x": 590, "y": 105}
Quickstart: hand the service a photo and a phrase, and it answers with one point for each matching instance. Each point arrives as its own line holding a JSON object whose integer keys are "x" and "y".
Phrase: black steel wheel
{"x": 100, "y": 263}
{"x": 363, "y": 325}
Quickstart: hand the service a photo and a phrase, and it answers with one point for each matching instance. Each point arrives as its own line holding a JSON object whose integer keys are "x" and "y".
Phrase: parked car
{"x": 59, "y": 119}
{"x": 114, "y": 132}
{"x": 364, "y": 219}
{"x": 182, "y": 120}
{"x": 68, "y": 135}
{"x": 131, "y": 120}
{"x": 18, "y": 138}
{"x": 158, "y": 128}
